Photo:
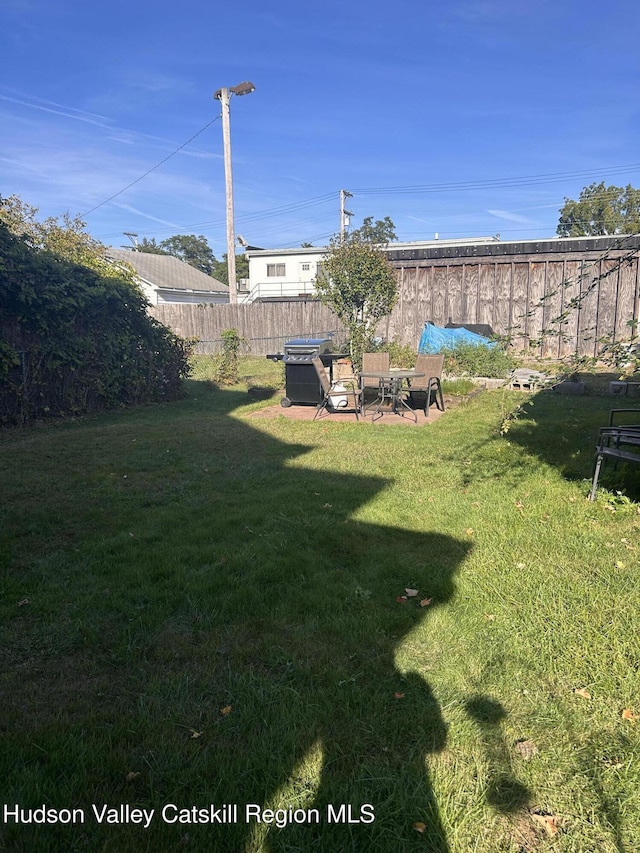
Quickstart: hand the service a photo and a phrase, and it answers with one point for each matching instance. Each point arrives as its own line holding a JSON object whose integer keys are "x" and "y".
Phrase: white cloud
{"x": 510, "y": 216}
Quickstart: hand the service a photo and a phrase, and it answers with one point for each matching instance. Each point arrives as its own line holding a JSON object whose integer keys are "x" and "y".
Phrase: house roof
{"x": 477, "y": 246}
{"x": 252, "y": 252}
{"x": 167, "y": 272}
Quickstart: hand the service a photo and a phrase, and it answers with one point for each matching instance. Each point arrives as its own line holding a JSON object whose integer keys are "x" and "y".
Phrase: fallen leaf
{"x": 469, "y": 531}
{"x": 527, "y": 749}
{"x": 426, "y": 602}
{"x": 24, "y": 601}
{"x": 419, "y": 826}
{"x": 628, "y": 714}
{"x": 226, "y": 710}
{"x": 131, "y": 776}
{"x": 195, "y": 734}
{"x": 581, "y": 691}
{"x": 548, "y": 822}
{"x": 411, "y": 592}
{"x": 490, "y": 617}
{"x": 398, "y": 695}
{"x": 401, "y": 599}
{"x": 325, "y": 505}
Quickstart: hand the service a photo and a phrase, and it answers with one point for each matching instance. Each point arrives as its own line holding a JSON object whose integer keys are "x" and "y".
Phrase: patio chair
{"x": 636, "y": 419}
{"x": 374, "y": 362}
{"x": 338, "y": 390}
{"x": 609, "y": 447}
{"x": 431, "y": 366}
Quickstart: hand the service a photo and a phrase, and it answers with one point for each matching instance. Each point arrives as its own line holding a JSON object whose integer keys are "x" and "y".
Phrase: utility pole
{"x": 224, "y": 96}
{"x": 345, "y": 215}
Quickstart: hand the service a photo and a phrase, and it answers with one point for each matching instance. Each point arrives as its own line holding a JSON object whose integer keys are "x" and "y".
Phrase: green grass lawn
{"x": 203, "y": 608}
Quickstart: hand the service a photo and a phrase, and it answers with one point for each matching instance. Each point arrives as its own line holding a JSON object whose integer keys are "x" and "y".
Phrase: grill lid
{"x": 308, "y": 346}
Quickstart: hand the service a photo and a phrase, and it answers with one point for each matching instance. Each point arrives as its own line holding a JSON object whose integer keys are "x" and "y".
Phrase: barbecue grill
{"x": 302, "y": 384}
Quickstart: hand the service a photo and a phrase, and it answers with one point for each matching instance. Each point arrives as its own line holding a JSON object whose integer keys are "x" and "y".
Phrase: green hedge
{"x": 470, "y": 360}
{"x": 73, "y": 341}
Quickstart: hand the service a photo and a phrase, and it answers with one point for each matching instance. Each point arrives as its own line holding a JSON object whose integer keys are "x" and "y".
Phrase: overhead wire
{"x": 452, "y": 186}
{"x": 152, "y": 169}
{"x": 525, "y": 180}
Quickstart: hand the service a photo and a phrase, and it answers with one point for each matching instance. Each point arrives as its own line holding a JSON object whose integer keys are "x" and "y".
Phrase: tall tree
{"x": 64, "y": 236}
{"x": 193, "y": 250}
{"x": 360, "y": 286}
{"x": 601, "y": 210}
{"x": 221, "y": 270}
{"x": 382, "y": 231}
{"x": 150, "y": 247}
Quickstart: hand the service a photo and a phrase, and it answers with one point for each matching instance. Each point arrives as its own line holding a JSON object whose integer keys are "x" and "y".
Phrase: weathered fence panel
{"x": 264, "y": 325}
{"x": 472, "y": 284}
{"x": 520, "y": 290}
{"x": 521, "y": 296}
{"x": 570, "y": 290}
{"x": 525, "y": 297}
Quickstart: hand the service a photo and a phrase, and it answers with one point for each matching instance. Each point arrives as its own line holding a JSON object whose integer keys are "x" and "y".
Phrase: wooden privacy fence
{"x": 562, "y": 303}
{"x": 558, "y": 302}
{"x": 264, "y": 325}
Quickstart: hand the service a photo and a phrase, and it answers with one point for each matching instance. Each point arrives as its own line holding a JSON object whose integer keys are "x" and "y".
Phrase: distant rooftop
{"x": 471, "y": 246}
{"x": 167, "y": 272}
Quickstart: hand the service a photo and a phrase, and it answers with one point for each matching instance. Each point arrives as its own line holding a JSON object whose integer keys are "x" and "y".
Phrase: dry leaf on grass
{"x": 419, "y": 826}
{"x": 24, "y": 601}
{"x": 131, "y": 776}
{"x": 490, "y": 617}
{"x": 547, "y": 822}
{"x": 226, "y": 710}
{"x": 411, "y": 593}
{"x": 527, "y": 749}
{"x": 401, "y": 599}
{"x": 581, "y": 691}
{"x": 426, "y": 602}
{"x": 628, "y": 714}
{"x": 399, "y": 695}
{"x": 195, "y": 734}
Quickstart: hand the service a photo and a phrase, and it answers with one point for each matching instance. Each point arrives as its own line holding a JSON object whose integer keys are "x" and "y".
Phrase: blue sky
{"x": 440, "y": 115}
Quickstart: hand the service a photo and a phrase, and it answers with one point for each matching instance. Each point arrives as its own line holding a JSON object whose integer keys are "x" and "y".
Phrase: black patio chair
{"x": 611, "y": 444}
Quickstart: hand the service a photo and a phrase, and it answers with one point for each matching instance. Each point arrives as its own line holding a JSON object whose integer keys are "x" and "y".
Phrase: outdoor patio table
{"x": 390, "y": 390}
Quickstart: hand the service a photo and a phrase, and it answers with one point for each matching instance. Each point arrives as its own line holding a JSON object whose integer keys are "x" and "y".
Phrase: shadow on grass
{"x": 504, "y": 792}
{"x": 562, "y": 431}
{"x": 217, "y": 628}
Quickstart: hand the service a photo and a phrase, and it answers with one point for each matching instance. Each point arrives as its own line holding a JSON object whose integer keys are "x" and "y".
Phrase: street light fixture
{"x": 224, "y": 96}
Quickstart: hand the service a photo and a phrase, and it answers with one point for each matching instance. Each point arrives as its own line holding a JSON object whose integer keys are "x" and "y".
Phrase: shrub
{"x": 73, "y": 340}
{"x": 470, "y": 360}
{"x": 226, "y": 366}
{"x": 401, "y": 355}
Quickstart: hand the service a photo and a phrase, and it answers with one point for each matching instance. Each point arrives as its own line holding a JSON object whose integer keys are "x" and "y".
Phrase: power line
{"x": 153, "y": 168}
{"x": 282, "y": 210}
{"x": 525, "y": 180}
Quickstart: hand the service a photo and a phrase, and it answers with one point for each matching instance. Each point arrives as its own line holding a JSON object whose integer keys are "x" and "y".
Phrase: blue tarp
{"x": 436, "y": 339}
